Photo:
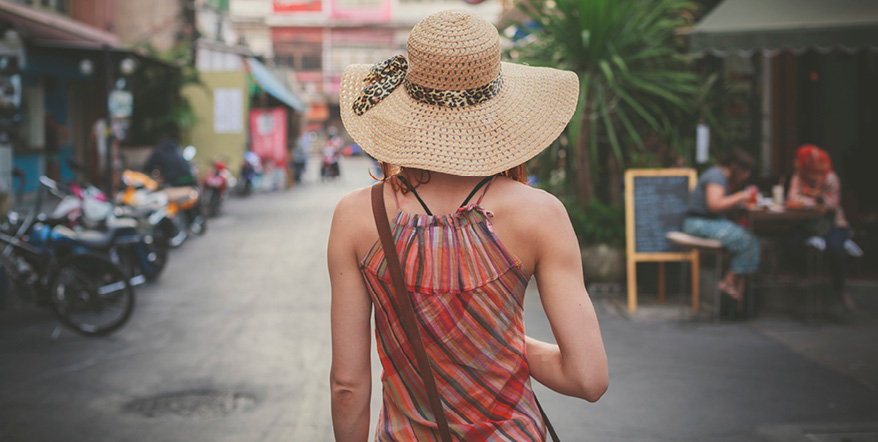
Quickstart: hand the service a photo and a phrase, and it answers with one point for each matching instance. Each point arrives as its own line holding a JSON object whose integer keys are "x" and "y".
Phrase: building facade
{"x": 317, "y": 39}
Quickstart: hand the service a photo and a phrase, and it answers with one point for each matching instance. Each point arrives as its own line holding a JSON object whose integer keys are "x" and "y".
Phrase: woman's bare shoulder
{"x": 353, "y": 213}
{"x": 354, "y": 203}
{"x": 525, "y": 199}
{"x": 353, "y": 222}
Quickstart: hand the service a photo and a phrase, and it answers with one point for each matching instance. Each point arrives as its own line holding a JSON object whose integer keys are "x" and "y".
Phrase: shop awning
{"x": 770, "y": 26}
{"x": 270, "y": 84}
{"x": 45, "y": 28}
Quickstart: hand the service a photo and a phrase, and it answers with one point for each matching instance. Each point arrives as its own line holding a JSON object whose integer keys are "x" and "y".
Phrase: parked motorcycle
{"x": 52, "y": 266}
{"x": 187, "y": 200}
{"x": 142, "y": 200}
{"x": 105, "y": 230}
{"x": 185, "y": 210}
{"x": 184, "y": 206}
{"x": 215, "y": 187}
{"x": 251, "y": 170}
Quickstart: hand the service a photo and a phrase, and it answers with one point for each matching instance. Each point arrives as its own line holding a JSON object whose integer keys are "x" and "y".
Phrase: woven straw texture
{"x": 455, "y": 50}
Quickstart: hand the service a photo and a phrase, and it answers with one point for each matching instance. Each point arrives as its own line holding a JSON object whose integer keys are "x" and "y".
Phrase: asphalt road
{"x": 239, "y": 324}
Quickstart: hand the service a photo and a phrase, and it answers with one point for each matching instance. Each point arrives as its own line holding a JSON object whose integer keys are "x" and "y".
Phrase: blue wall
{"x": 33, "y": 166}
{"x": 59, "y": 68}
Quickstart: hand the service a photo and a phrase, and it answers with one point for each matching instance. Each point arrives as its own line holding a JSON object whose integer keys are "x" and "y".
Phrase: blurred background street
{"x": 169, "y": 168}
{"x": 247, "y": 312}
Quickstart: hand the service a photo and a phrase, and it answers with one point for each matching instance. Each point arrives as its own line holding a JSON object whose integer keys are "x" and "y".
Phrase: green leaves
{"x": 597, "y": 223}
{"x": 631, "y": 67}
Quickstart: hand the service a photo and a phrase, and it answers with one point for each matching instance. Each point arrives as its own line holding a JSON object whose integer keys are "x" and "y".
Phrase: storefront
{"x": 275, "y": 119}
{"x": 57, "y": 74}
{"x": 797, "y": 72}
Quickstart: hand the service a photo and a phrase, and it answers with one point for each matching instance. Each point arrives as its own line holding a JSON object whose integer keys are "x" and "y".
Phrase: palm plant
{"x": 158, "y": 90}
{"x": 633, "y": 77}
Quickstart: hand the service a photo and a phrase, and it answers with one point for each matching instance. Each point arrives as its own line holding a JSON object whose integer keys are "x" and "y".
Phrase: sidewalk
{"x": 848, "y": 347}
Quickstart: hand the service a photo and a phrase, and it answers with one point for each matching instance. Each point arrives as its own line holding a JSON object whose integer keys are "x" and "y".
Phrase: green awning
{"x": 770, "y": 26}
{"x": 270, "y": 84}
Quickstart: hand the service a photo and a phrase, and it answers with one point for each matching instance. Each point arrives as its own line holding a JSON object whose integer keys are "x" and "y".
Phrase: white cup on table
{"x": 777, "y": 194}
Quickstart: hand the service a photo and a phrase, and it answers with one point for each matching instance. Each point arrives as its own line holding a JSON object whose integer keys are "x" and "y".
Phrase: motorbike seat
{"x": 137, "y": 212}
{"x": 180, "y": 195}
{"x": 122, "y": 223}
{"x": 104, "y": 239}
{"x": 52, "y": 221}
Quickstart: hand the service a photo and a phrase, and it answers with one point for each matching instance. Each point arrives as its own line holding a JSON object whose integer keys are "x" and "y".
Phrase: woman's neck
{"x": 438, "y": 179}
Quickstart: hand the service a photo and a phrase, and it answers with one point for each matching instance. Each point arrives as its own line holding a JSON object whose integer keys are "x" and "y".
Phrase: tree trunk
{"x": 614, "y": 174}
{"x": 584, "y": 185}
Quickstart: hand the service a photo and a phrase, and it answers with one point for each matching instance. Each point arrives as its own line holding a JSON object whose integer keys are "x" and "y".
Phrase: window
{"x": 360, "y": 4}
{"x": 33, "y": 110}
{"x": 311, "y": 62}
{"x": 228, "y": 114}
{"x": 60, "y": 6}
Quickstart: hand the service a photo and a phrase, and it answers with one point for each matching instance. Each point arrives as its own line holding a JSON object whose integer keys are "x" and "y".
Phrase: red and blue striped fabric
{"x": 468, "y": 293}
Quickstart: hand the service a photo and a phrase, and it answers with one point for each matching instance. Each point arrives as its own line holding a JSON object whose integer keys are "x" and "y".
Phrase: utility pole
{"x": 108, "y": 134}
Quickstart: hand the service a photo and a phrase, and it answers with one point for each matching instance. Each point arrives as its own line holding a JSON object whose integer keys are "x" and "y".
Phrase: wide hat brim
{"x": 530, "y": 112}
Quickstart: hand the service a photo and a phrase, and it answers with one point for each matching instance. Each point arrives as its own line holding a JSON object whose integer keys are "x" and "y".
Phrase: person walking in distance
{"x": 452, "y": 127}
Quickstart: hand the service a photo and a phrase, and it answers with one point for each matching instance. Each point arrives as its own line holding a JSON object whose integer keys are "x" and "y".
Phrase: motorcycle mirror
{"x": 48, "y": 182}
{"x": 189, "y": 152}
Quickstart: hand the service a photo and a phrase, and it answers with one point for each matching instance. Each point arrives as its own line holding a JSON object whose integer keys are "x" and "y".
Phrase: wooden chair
{"x": 703, "y": 245}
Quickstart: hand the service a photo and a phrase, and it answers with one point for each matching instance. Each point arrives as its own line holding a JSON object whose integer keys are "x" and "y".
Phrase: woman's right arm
{"x": 577, "y": 365}
{"x": 717, "y": 201}
{"x": 795, "y": 193}
{"x": 350, "y": 313}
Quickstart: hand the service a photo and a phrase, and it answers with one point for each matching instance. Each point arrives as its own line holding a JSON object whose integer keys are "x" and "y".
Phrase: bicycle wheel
{"x": 91, "y": 295}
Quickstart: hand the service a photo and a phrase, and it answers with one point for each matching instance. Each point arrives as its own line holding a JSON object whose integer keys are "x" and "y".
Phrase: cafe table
{"x": 775, "y": 222}
{"x": 764, "y": 218}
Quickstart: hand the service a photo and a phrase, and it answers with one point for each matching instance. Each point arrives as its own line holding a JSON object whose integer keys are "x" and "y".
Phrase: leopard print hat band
{"x": 387, "y": 75}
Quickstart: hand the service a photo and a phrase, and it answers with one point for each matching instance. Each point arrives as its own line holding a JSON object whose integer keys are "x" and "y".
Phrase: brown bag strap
{"x": 407, "y": 312}
{"x": 410, "y": 323}
{"x": 546, "y": 420}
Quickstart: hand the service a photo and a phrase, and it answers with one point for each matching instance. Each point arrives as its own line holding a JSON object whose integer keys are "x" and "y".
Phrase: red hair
{"x": 517, "y": 173}
{"x": 811, "y": 159}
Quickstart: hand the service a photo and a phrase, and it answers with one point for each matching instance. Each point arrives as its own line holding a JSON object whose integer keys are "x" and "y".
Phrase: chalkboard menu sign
{"x": 656, "y": 202}
{"x": 660, "y": 204}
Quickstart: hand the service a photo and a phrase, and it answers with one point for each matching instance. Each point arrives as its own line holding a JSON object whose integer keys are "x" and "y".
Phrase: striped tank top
{"x": 468, "y": 295}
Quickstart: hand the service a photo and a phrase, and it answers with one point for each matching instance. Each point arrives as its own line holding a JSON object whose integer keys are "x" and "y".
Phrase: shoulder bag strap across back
{"x": 410, "y": 323}
{"x": 407, "y": 312}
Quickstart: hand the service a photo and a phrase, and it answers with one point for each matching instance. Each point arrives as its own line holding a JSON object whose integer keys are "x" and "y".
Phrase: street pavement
{"x": 234, "y": 342}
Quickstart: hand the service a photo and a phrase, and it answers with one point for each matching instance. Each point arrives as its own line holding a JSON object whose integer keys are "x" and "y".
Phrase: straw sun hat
{"x": 452, "y": 106}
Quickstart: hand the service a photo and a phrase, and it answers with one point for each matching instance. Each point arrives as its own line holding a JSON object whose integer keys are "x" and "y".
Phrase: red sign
{"x": 268, "y": 134}
{"x": 297, "y": 35}
{"x": 374, "y": 11}
{"x": 297, "y": 5}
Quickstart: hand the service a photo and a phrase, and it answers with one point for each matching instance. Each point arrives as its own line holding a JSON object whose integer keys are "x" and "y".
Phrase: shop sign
{"x": 120, "y": 103}
{"x": 297, "y": 6}
{"x": 268, "y": 134}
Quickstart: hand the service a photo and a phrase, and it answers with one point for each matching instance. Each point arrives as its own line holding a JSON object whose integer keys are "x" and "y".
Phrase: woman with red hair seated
{"x": 815, "y": 184}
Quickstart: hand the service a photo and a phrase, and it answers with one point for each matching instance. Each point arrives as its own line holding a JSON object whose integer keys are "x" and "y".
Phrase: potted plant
{"x": 600, "y": 229}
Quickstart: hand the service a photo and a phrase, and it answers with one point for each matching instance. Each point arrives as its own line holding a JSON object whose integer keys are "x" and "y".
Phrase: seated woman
{"x": 815, "y": 184}
{"x": 711, "y": 199}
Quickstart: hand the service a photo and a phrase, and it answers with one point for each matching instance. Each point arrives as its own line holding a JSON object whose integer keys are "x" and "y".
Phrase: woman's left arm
{"x": 350, "y": 374}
